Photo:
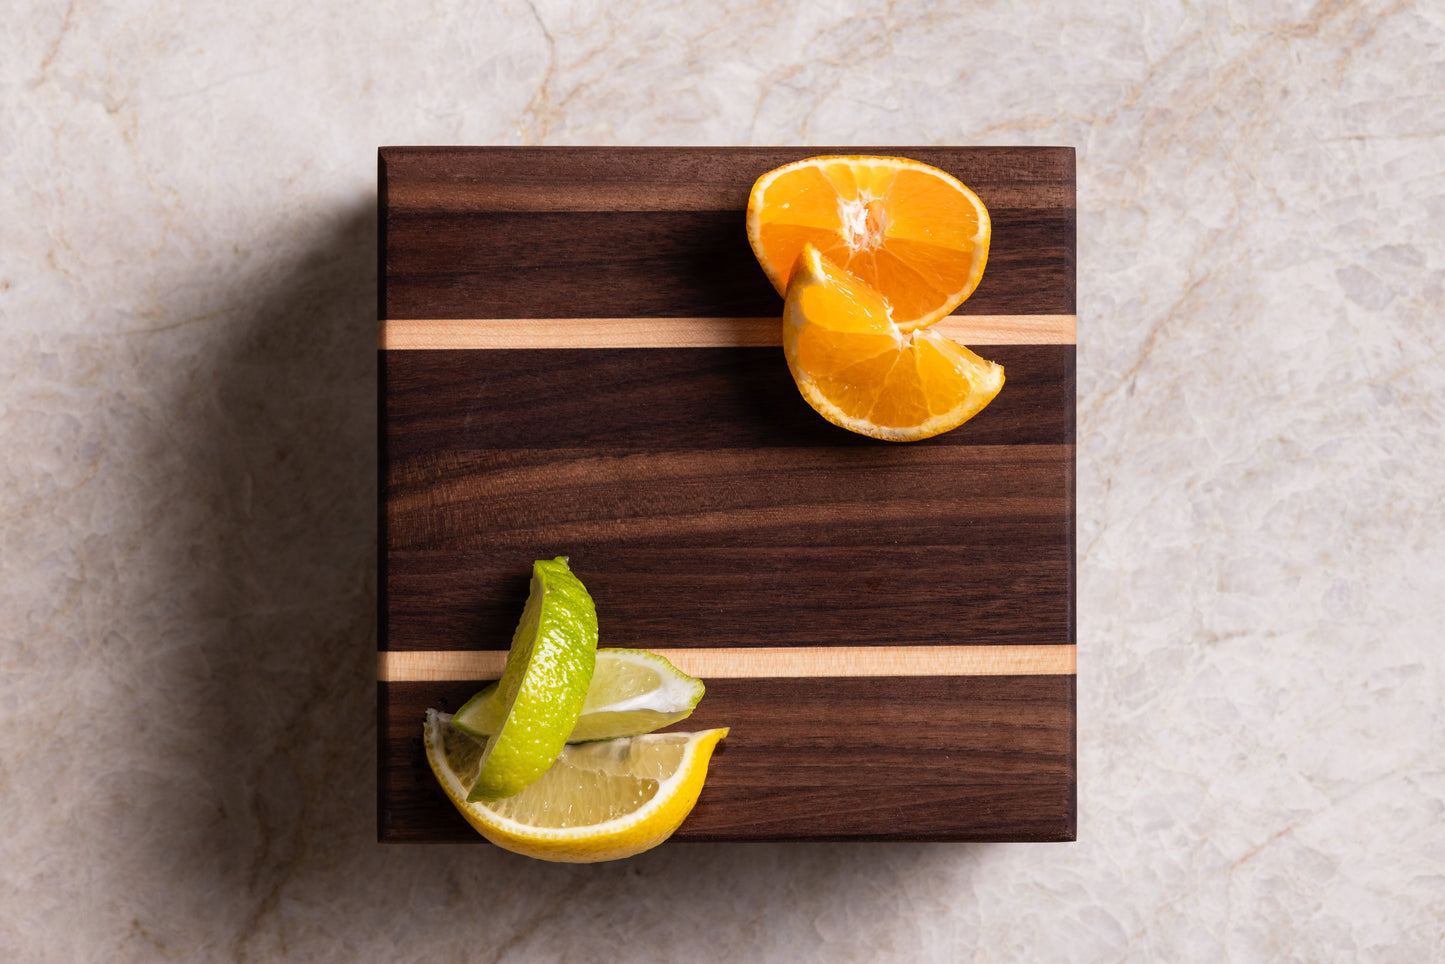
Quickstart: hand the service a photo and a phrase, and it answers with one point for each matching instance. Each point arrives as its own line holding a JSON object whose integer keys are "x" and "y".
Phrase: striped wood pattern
{"x": 579, "y": 358}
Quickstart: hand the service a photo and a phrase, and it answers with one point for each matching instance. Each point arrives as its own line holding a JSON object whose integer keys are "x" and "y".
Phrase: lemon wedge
{"x": 598, "y": 801}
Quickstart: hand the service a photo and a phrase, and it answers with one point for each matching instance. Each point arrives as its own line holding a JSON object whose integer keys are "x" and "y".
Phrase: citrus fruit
{"x": 632, "y": 692}
{"x": 911, "y": 232}
{"x": 543, "y": 684}
{"x": 598, "y": 801}
{"x": 860, "y": 371}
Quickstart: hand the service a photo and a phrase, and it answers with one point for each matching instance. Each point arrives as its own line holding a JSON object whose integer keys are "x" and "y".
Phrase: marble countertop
{"x": 187, "y": 385}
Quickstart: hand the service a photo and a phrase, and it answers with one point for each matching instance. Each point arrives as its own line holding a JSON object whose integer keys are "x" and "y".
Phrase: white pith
{"x": 855, "y": 230}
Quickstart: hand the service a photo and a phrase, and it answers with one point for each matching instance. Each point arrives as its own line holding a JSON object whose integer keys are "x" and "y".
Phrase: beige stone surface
{"x": 187, "y": 523}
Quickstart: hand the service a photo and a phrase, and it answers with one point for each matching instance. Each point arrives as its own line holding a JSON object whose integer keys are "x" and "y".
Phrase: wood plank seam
{"x": 402, "y": 334}
{"x": 779, "y": 662}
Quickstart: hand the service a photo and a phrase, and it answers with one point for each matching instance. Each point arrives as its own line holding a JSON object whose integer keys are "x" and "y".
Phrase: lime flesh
{"x": 632, "y": 692}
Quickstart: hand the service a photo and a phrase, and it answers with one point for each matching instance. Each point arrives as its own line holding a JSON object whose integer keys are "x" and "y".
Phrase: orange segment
{"x": 913, "y": 233}
{"x": 861, "y": 372}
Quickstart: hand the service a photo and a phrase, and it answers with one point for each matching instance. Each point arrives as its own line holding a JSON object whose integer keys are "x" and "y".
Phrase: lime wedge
{"x": 632, "y": 692}
{"x": 543, "y": 685}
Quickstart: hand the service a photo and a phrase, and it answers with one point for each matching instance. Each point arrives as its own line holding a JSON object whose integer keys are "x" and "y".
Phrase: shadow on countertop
{"x": 279, "y": 588}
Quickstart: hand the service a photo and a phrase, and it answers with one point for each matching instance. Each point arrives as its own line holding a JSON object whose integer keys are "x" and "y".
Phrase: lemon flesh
{"x": 544, "y": 684}
{"x": 598, "y": 801}
{"x": 632, "y": 692}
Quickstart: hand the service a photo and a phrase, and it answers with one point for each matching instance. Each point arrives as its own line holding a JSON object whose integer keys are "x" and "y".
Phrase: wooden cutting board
{"x": 580, "y": 357}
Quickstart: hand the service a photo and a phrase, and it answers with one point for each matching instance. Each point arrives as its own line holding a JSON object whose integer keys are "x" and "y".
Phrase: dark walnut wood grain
{"x": 704, "y": 504}
{"x": 946, "y": 758}
{"x": 632, "y": 259}
{"x": 701, "y": 398}
{"x": 981, "y": 594}
{"x": 436, "y": 274}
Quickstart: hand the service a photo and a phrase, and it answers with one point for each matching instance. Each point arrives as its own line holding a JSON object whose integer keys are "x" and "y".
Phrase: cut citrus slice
{"x": 543, "y": 685}
{"x": 913, "y": 233}
{"x": 598, "y": 801}
{"x": 632, "y": 692}
{"x": 860, "y": 372}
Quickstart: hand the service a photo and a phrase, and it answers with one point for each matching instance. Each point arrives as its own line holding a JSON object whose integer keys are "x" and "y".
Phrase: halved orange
{"x": 860, "y": 371}
{"x": 911, "y": 232}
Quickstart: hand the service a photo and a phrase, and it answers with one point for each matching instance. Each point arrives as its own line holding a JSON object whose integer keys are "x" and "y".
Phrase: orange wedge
{"x": 862, "y": 372}
{"x": 911, "y": 232}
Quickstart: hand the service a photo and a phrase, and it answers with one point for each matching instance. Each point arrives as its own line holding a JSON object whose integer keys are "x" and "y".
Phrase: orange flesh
{"x": 910, "y": 232}
{"x": 855, "y": 366}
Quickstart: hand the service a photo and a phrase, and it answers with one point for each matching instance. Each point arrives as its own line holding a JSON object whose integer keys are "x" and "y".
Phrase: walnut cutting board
{"x": 580, "y": 357}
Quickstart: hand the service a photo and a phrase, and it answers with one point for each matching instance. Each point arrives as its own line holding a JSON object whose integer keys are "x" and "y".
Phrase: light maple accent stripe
{"x": 768, "y": 662}
{"x": 466, "y": 333}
